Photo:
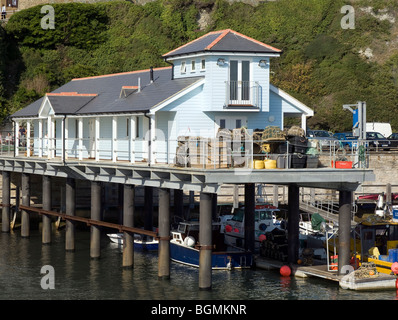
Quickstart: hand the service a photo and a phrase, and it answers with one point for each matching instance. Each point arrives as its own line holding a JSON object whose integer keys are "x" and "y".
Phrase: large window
{"x": 239, "y": 77}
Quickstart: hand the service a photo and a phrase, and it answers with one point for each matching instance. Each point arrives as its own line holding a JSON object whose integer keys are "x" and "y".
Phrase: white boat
{"x": 140, "y": 242}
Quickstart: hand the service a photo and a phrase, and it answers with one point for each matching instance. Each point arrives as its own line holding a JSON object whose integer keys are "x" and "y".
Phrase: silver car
{"x": 326, "y": 141}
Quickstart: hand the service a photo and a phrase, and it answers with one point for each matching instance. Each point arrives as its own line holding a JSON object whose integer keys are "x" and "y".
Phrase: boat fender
{"x": 189, "y": 241}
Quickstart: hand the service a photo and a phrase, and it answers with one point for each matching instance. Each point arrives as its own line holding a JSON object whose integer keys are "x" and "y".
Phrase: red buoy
{"x": 262, "y": 237}
{"x": 394, "y": 267}
{"x": 228, "y": 228}
{"x": 285, "y": 271}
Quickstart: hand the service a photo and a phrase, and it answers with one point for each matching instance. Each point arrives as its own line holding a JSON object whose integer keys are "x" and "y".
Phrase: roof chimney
{"x": 151, "y": 74}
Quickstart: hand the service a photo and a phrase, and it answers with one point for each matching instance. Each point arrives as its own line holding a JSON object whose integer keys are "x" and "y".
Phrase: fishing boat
{"x": 264, "y": 221}
{"x": 142, "y": 243}
{"x": 185, "y": 249}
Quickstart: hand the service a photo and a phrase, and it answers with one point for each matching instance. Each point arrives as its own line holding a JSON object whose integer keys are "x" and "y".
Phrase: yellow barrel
{"x": 270, "y": 164}
{"x": 258, "y": 164}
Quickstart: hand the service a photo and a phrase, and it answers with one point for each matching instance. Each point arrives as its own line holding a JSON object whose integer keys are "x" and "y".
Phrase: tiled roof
{"x": 223, "y": 41}
{"x": 101, "y": 94}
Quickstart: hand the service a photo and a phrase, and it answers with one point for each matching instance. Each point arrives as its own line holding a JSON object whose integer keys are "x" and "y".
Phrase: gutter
{"x": 172, "y": 68}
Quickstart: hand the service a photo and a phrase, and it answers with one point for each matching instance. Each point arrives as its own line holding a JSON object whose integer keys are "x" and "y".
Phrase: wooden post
{"x": 293, "y": 223}
{"x": 344, "y": 229}
{"x": 205, "y": 241}
{"x": 164, "y": 234}
{"x": 5, "y": 226}
{"x": 128, "y": 221}
{"x": 95, "y": 240}
{"x": 46, "y": 220}
{"x": 70, "y": 210}
{"x": 25, "y": 220}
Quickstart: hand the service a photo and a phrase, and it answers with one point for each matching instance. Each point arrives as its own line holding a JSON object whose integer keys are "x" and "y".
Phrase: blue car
{"x": 347, "y": 140}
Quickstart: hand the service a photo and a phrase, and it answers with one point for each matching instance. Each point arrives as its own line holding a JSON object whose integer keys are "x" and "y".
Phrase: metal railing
{"x": 242, "y": 93}
{"x": 196, "y": 152}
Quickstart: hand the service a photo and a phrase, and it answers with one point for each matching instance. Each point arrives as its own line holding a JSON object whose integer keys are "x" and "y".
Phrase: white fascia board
{"x": 43, "y": 103}
{"x": 299, "y": 105}
{"x": 176, "y": 96}
{"x": 221, "y": 53}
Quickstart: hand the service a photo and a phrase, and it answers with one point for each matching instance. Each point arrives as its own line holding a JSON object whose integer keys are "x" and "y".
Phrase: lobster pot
{"x": 299, "y": 161}
{"x": 300, "y": 144}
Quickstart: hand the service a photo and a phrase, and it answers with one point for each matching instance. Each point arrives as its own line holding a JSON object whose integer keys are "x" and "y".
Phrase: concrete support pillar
{"x": 46, "y": 220}
{"x": 70, "y": 210}
{"x": 148, "y": 210}
{"x": 164, "y": 234}
{"x": 205, "y": 241}
{"x": 293, "y": 223}
{"x": 250, "y": 203}
{"x": 344, "y": 229}
{"x": 25, "y": 219}
{"x": 128, "y": 221}
{"x": 95, "y": 240}
{"x": 6, "y": 199}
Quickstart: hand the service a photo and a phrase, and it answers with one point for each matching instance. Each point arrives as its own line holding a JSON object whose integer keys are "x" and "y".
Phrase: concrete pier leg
{"x": 95, "y": 239}
{"x": 70, "y": 210}
{"x": 164, "y": 234}
{"x": 205, "y": 241}
{"x": 250, "y": 203}
{"x": 293, "y": 224}
{"x": 344, "y": 229}
{"x": 148, "y": 203}
{"x": 25, "y": 220}
{"x": 128, "y": 221}
{"x": 46, "y": 220}
{"x": 6, "y": 199}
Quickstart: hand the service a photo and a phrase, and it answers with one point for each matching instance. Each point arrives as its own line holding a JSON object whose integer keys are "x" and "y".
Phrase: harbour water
{"x": 78, "y": 277}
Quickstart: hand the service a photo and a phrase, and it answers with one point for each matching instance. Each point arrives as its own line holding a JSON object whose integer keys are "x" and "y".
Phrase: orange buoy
{"x": 285, "y": 271}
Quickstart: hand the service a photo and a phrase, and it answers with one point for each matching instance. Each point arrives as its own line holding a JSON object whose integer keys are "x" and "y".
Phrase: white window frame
{"x": 183, "y": 68}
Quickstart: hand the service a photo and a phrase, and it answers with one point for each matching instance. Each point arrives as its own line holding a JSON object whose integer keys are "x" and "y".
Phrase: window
{"x": 203, "y": 64}
{"x": 222, "y": 123}
{"x": 193, "y": 66}
{"x": 183, "y": 67}
{"x": 137, "y": 127}
{"x": 238, "y": 123}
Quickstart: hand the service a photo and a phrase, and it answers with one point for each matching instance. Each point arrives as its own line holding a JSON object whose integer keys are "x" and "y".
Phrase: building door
{"x": 239, "y": 81}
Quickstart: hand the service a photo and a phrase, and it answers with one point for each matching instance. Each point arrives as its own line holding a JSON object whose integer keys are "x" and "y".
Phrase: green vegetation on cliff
{"x": 323, "y": 64}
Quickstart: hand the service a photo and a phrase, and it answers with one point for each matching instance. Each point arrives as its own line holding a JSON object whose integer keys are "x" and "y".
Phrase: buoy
{"x": 285, "y": 271}
{"x": 228, "y": 228}
{"x": 299, "y": 261}
{"x": 262, "y": 237}
{"x": 394, "y": 267}
{"x": 236, "y": 230}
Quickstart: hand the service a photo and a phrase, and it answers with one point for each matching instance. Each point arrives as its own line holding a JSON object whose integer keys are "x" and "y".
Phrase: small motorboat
{"x": 184, "y": 248}
{"x": 143, "y": 243}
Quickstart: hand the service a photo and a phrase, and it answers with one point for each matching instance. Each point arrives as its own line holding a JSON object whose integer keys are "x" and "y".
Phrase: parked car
{"x": 393, "y": 138}
{"x": 325, "y": 140}
{"x": 347, "y": 139}
{"x": 377, "y": 140}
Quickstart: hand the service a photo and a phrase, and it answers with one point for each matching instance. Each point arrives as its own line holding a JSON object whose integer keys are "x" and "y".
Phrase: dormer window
{"x": 183, "y": 67}
{"x": 193, "y": 66}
